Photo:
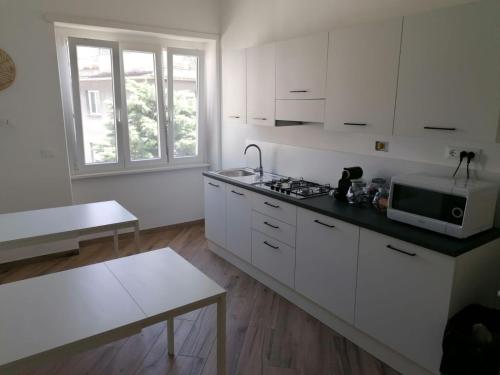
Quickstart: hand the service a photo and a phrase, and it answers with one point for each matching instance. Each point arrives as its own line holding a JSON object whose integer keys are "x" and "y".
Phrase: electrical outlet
{"x": 453, "y": 152}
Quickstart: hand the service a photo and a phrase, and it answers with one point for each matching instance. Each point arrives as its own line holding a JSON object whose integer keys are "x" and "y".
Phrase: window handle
{"x": 271, "y": 246}
{"x": 324, "y": 224}
{"x": 401, "y": 251}
{"x": 271, "y": 205}
{"x": 271, "y": 225}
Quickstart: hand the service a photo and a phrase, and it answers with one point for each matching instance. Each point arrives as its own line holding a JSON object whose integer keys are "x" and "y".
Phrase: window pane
{"x": 95, "y": 75}
{"x": 185, "y": 99}
{"x": 142, "y": 105}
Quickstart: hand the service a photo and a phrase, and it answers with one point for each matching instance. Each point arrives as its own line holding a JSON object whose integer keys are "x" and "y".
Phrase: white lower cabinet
{"x": 273, "y": 257}
{"x": 326, "y": 261}
{"x": 403, "y": 296}
{"x": 215, "y": 211}
{"x": 239, "y": 222}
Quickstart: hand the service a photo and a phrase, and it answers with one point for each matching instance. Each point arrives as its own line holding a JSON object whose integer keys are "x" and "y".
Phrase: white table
{"x": 66, "y": 312}
{"x": 51, "y": 224}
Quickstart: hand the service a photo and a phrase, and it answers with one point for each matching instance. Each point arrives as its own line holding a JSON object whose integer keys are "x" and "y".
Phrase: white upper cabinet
{"x": 234, "y": 105}
{"x": 449, "y": 79}
{"x": 362, "y": 77}
{"x": 261, "y": 82}
{"x": 301, "y": 67}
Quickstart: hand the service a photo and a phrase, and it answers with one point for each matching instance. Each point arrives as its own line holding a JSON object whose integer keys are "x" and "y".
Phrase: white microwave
{"x": 445, "y": 205}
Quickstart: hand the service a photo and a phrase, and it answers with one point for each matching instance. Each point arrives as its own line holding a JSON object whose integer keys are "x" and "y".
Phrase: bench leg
{"x": 115, "y": 241}
{"x": 221, "y": 335}
{"x": 170, "y": 335}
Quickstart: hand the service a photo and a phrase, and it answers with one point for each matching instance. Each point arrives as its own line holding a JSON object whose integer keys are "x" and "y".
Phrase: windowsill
{"x": 87, "y": 175}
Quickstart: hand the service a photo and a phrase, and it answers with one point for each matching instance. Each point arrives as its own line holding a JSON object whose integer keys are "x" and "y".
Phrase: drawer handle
{"x": 325, "y": 224}
{"x": 355, "y": 123}
{"x": 271, "y": 246}
{"x": 439, "y": 128}
{"x": 297, "y": 91}
{"x": 271, "y": 205}
{"x": 237, "y": 193}
{"x": 234, "y": 116}
{"x": 212, "y": 184}
{"x": 271, "y": 225}
{"x": 259, "y": 118}
{"x": 401, "y": 251}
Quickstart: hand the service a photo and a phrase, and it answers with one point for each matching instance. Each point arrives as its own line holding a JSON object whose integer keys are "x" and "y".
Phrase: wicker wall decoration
{"x": 7, "y": 70}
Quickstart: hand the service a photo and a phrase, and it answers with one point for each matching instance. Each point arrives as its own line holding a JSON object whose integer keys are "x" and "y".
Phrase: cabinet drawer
{"x": 275, "y": 208}
{"x": 274, "y": 228}
{"x": 273, "y": 257}
{"x": 403, "y": 296}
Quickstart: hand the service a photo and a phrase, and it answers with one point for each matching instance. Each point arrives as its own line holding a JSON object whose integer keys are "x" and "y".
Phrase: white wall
{"x": 33, "y": 104}
{"x": 249, "y": 22}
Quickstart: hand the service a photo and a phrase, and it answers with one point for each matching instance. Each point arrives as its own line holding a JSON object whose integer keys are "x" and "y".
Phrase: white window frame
{"x": 124, "y": 162}
{"x": 94, "y": 97}
{"x": 201, "y": 113}
{"x": 77, "y": 105}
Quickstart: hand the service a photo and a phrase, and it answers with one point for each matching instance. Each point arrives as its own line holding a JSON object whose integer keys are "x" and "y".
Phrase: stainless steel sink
{"x": 236, "y": 173}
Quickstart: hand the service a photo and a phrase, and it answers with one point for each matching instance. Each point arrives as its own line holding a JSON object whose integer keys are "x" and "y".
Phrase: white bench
{"x": 66, "y": 312}
{"x": 51, "y": 224}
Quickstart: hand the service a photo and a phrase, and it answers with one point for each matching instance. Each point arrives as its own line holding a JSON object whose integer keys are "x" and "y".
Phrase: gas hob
{"x": 297, "y": 188}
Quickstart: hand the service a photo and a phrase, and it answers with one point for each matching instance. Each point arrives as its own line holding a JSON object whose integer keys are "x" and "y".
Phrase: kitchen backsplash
{"x": 325, "y": 166}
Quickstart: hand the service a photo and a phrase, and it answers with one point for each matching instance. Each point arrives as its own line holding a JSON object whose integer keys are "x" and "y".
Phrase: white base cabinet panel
{"x": 403, "y": 296}
{"x": 273, "y": 257}
{"x": 215, "y": 211}
{"x": 239, "y": 222}
{"x": 326, "y": 261}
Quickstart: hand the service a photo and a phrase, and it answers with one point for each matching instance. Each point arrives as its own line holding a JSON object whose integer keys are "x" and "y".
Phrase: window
{"x": 93, "y": 102}
{"x": 134, "y": 105}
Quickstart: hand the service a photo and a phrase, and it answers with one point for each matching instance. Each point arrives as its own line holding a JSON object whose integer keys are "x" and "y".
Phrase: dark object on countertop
{"x": 348, "y": 174}
{"x": 471, "y": 342}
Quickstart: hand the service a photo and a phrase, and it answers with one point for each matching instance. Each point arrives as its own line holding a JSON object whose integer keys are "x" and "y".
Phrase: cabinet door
{"x": 403, "y": 296}
{"x": 215, "y": 211}
{"x": 239, "y": 222}
{"x": 362, "y": 77}
{"x": 234, "y": 87}
{"x": 301, "y": 67}
{"x": 326, "y": 261}
{"x": 449, "y": 79}
{"x": 261, "y": 79}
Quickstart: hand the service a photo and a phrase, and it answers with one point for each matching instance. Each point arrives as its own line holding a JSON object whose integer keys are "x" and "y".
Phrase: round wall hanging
{"x": 7, "y": 70}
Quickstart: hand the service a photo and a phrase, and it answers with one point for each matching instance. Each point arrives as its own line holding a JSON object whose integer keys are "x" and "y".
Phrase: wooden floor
{"x": 266, "y": 334}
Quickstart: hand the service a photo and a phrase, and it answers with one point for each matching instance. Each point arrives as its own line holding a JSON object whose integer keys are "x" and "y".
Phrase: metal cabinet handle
{"x": 325, "y": 224}
{"x": 234, "y": 116}
{"x": 237, "y": 193}
{"x": 401, "y": 251}
{"x": 212, "y": 184}
{"x": 271, "y": 205}
{"x": 297, "y": 91}
{"x": 271, "y": 225}
{"x": 259, "y": 118}
{"x": 271, "y": 246}
{"x": 440, "y": 128}
{"x": 355, "y": 123}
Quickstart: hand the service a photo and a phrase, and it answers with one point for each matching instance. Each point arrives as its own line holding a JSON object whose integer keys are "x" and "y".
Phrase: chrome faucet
{"x": 259, "y": 169}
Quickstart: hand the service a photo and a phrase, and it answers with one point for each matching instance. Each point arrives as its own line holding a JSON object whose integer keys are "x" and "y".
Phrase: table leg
{"x": 170, "y": 335}
{"x": 137, "y": 238}
{"x": 221, "y": 335}
{"x": 115, "y": 241}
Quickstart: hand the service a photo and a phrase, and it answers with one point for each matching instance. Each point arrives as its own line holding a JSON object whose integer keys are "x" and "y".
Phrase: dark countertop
{"x": 369, "y": 218}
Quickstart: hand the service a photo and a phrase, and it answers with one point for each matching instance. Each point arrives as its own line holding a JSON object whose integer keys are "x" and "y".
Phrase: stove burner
{"x": 299, "y": 188}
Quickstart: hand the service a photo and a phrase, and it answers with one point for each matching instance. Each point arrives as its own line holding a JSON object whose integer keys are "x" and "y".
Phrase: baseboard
{"x": 372, "y": 346}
